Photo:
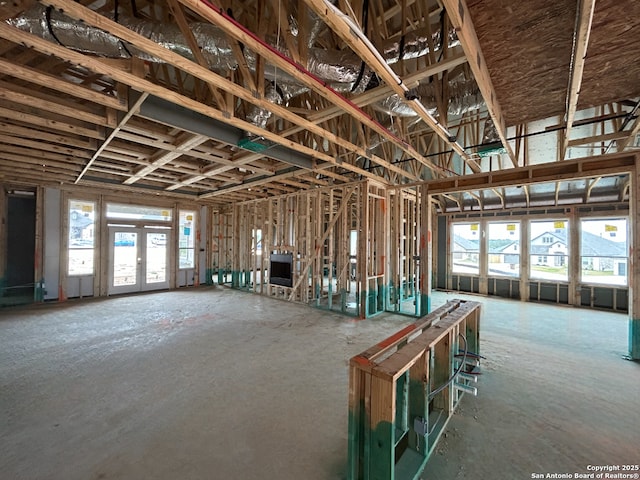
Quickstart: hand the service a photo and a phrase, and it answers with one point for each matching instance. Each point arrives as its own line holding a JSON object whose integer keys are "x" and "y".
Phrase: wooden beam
{"x": 13, "y": 8}
{"x": 460, "y": 17}
{"x": 584, "y": 18}
{"x": 50, "y": 124}
{"x": 590, "y": 185}
{"x": 590, "y": 167}
{"x": 631, "y": 135}
{"x": 347, "y": 31}
{"x": 54, "y": 138}
{"x": 49, "y": 106}
{"x": 137, "y": 83}
{"x": 597, "y": 138}
{"x": 112, "y": 135}
{"x": 32, "y": 75}
{"x": 178, "y": 14}
{"x": 160, "y": 159}
{"x": 384, "y": 91}
{"x": 92, "y": 18}
{"x": 43, "y": 146}
{"x": 296, "y": 71}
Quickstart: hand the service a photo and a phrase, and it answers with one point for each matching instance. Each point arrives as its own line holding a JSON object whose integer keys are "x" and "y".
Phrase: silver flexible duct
{"x": 315, "y": 26}
{"x": 343, "y": 70}
{"x": 59, "y": 28}
{"x": 464, "y": 96}
{"x": 278, "y": 93}
{"x": 489, "y": 133}
{"x": 331, "y": 66}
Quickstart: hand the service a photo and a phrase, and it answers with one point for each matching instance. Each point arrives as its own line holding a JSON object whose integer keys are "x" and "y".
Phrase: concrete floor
{"x": 212, "y": 383}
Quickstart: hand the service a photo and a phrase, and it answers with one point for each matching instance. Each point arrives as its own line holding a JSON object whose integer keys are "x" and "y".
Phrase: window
{"x": 137, "y": 212}
{"x": 81, "y": 237}
{"x": 549, "y": 249}
{"x": 186, "y": 241}
{"x": 603, "y": 251}
{"x": 504, "y": 249}
{"x": 465, "y": 248}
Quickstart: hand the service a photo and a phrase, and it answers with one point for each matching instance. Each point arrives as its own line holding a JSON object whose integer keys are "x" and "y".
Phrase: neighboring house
{"x": 598, "y": 253}
{"x": 465, "y": 250}
{"x": 504, "y": 252}
{"x": 601, "y": 254}
{"x": 80, "y": 228}
{"x": 549, "y": 249}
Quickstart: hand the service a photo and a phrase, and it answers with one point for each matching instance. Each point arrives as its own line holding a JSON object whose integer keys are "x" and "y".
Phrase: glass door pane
{"x": 125, "y": 258}
{"x": 156, "y": 258}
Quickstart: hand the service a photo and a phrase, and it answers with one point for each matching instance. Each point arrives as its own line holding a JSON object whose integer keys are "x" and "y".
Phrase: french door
{"x": 138, "y": 258}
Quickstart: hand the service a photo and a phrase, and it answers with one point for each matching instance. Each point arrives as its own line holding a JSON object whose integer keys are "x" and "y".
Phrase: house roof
{"x": 467, "y": 244}
{"x": 590, "y": 245}
{"x": 500, "y": 245}
{"x": 600, "y": 246}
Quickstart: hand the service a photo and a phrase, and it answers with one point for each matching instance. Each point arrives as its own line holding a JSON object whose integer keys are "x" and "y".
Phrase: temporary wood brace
{"x": 403, "y": 391}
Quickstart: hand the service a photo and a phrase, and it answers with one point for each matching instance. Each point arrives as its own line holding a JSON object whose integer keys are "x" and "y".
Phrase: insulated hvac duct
{"x": 464, "y": 96}
{"x": 343, "y": 70}
{"x": 332, "y": 66}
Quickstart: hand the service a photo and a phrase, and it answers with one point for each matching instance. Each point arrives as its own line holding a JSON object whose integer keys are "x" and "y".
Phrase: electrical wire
{"x": 455, "y": 374}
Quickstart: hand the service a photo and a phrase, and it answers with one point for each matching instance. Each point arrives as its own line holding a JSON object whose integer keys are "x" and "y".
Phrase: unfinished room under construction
{"x": 319, "y": 239}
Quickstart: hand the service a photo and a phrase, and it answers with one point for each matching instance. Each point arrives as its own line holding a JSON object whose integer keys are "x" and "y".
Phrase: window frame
{"x": 544, "y": 258}
{"x": 191, "y": 237}
{"x": 453, "y": 252}
{"x": 74, "y": 206}
{"x": 625, "y": 258}
{"x": 517, "y": 239}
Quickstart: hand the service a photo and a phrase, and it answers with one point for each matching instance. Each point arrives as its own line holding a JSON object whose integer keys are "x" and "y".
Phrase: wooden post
{"x": 235, "y": 251}
{"x": 363, "y": 252}
{"x": 450, "y": 285}
{"x": 524, "y": 260}
{"x": 306, "y": 264}
{"x": 426, "y": 257}
{"x": 319, "y": 247}
{"x": 634, "y": 263}
{"x": 574, "y": 258}
{"x": 383, "y": 401}
{"x": 344, "y": 264}
{"x": 395, "y": 247}
{"x": 331, "y": 252}
{"x": 483, "y": 258}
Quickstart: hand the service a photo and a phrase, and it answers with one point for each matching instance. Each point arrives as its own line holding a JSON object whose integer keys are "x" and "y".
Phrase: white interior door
{"x": 138, "y": 259}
